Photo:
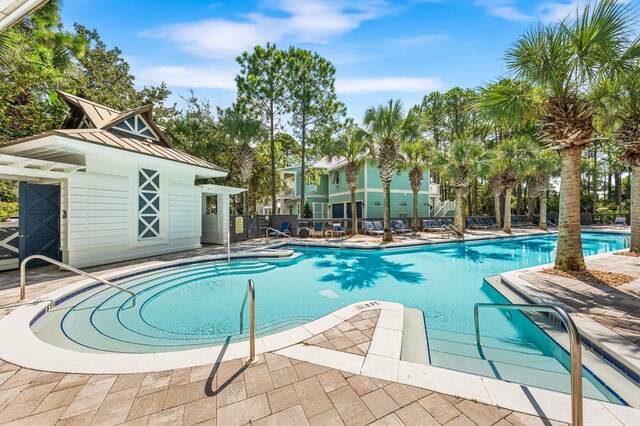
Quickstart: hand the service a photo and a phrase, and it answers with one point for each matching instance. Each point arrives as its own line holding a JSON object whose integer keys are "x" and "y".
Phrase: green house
{"x": 329, "y": 196}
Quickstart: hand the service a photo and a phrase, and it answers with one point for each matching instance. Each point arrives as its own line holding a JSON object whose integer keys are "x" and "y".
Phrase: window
{"x": 148, "y": 204}
{"x": 136, "y": 126}
{"x": 336, "y": 178}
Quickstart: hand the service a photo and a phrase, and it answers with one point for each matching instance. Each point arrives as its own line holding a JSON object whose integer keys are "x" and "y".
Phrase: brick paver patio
{"x": 276, "y": 391}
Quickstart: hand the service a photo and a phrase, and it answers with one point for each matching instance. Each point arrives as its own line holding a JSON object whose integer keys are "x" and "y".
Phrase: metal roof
{"x": 12, "y": 11}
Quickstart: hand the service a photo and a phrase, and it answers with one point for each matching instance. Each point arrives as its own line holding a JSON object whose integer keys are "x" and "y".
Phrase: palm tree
{"x": 460, "y": 162}
{"x": 539, "y": 171}
{"x": 415, "y": 159}
{"x": 387, "y": 129}
{"x": 351, "y": 146}
{"x": 511, "y": 158}
{"x": 622, "y": 108}
{"x": 563, "y": 62}
{"x": 245, "y": 132}
{"x": 496, "y": 191}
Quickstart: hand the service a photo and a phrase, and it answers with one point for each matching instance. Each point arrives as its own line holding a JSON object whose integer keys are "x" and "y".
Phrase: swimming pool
{"x": 197, "y": 305}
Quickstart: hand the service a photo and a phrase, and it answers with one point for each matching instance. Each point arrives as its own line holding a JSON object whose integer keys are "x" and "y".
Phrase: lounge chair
{"x": 317, "y": 229}
{"x": 480, "y": 223}
{"x": 619, "y": 222}
{"x": 491, "y": 223}
{"x": 471, "y": 224}
{"x": 370, "y": 229}
{"x": 399, "y": 228}
{"x": 377, "y": 225}
{"x": 284, "y": 229}
{"x": 430, "y": 225}
{"x": 338, "y": 230}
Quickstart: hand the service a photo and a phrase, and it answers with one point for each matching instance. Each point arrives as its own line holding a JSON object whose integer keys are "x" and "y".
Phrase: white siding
{"x": 102, "y": 212}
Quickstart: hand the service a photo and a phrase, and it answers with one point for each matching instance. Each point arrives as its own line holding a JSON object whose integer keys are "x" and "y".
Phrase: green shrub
{"x": 8, "y": 209}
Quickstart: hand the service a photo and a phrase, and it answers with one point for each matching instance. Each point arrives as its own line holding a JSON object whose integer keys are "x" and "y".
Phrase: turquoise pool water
{"x": 198, "y": 305}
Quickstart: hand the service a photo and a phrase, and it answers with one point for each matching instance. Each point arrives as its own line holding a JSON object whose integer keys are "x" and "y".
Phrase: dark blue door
{"x": 39, "y": 223}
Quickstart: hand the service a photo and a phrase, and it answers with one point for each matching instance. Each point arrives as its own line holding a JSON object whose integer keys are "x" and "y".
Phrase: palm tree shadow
{"x": 366, "y": 270}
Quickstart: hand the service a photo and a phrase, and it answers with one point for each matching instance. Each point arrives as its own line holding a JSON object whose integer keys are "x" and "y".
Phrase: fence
{"x": 256, "y": 227}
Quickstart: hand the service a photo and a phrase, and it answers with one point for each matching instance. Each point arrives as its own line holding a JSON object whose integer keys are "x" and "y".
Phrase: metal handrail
{"x": 251, "y": 289}
{"x": 575, "y": 349}
{"x": 285, "y": 235}
{"x": 627, "y": 242}
{"x": 23, "y": 275}
{"x": 450, "y": 229}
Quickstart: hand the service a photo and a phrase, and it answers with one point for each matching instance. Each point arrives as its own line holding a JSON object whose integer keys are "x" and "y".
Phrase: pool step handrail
{"x": 23, "y": 275}
{"x": 450, "y": 229}
{"x": 286, "y": 236}
{"x": 575, "y": 349}
{"x": 251, "y": 291}
{"x": 627, "y": 242}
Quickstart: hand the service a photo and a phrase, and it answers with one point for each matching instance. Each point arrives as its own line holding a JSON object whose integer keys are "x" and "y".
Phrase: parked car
{"x": 11, "y": 219}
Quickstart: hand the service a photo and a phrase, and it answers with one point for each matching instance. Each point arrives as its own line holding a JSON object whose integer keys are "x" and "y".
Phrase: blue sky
{"x": 382, "y": 49}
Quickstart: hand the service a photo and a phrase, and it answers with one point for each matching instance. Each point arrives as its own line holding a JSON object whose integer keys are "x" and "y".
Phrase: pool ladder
{"x": 251, "y": 290}
{"x": 627, "y": 242}
{"x": 23, "y": 276}
{"x": 575, "y": 349}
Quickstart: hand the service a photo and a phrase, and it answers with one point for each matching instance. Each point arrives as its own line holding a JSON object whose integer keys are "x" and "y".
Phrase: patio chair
{"x": 620, "y": 222}
{"x": 480, "y": 223}
{"x": 471, "y": 224}
{"x": 430, "y": 225}
{"x": 338, "y": 230}
{"x": 317, "y": 230}
{"x": 284, "y": 229}
{"x": 551, "y": 222}
{"x": 377, "y": 225}
{"x": 516, "y": 223}
{"x": 370, "y": 229}
{"x": 491, "y": 223}
{"x": 399, "y": 228}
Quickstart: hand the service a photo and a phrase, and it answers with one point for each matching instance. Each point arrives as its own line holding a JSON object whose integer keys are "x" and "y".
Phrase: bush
{"x": 307, "y": 210}
{"x": 8, "y": 209}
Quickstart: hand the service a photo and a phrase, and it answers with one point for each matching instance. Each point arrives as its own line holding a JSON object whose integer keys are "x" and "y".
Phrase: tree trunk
{"x": 354, "y": 213}
{"x": 543, "y": 211}
{"x": 273, "y": 161}
{"x": 496, "y": 209}
{"x": 635, "y": 210}
{"x": 519, "y": 199}
{"x": 387, "y": 237}
{"x": 530, "y": 208}
{"x": 303, "y": 183}
{"x": 594, "y": 208}
{"x": 618, "y": 186}
{"x": 469, "y": 207}
{"x": 475, "y": 197}
{"x": 506, "y": 227}
{"x": 569, "y": 255}
{"x": 416, "y": 225}
{"x": 609, "y": 186}
{"x": 458, "y": 219}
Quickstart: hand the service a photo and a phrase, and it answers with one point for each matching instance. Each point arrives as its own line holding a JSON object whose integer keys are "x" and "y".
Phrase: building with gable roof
{"x": 108, "y": 186}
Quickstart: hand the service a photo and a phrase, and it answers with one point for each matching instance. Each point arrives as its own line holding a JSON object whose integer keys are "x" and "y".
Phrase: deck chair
{"x": 399, "y": 228}
{"x": 370, "y": 229}
{"x": 620, "y": 222}
{"x": 338, "y": 230}
{"x": 284, "y": 229}
{"x": 430, "y": 225}
{"x": 317, "y": 230}
{"x": 377, "y": 225}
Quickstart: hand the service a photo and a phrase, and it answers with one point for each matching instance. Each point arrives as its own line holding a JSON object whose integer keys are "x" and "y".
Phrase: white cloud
{"x": 189, "y": 76}
{"x": 419, "y": 40}
{"x": 505, "y": 9}
{"x": 551, "y": 11}
{"x": 388, "y": 84}
{"x": 300, "y": 21}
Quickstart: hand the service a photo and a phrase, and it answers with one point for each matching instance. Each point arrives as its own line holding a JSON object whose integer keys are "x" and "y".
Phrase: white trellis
{"x": 149, "y": 204}
{"x": 10, "y": 253}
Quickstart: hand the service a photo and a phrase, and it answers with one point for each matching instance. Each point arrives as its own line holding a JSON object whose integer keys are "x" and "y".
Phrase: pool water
{"x": 197, "y": 305}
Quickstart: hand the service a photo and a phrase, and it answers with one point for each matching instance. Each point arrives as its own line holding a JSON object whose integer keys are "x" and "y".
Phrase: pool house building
{"x": 108, "y": 187}
{"x": 329, "y": 196}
